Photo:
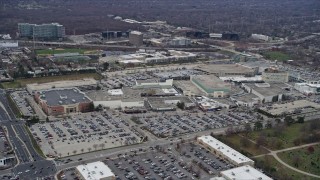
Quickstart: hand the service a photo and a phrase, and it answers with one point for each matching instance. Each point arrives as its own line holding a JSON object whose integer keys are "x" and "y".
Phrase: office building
{"x": 42, "y": 31}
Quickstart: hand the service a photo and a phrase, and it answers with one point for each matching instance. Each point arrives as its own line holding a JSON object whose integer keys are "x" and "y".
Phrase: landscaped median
{"x": 34, "y": 143}
{"x": 19, "y": 83}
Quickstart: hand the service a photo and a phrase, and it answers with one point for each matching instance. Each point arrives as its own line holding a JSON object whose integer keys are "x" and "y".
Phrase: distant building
{"x": 63, "y": 101}
{"x": 227, "y": 70}
{"x": 211, "y": 85}
{"x": 114, "y": 34}
{"x": 224, "y": 151}
{"x": 260, "y": 37}
{"x": 275, "y": 75}
{"x": 215, "y": 35}
{"x": 42, "y": 31}
{"x": 267, "y": 92}
{"x": 180, "y": 41}
{"x": 197, "y": 34}
{"x": 136, "y": 38}
{"x": 230, "y": 36}
{"x": 8, "y": 44}
{"x": 244, "y": 172}
{"x": 307, "y": 89}
{"x": 95, "y": 171}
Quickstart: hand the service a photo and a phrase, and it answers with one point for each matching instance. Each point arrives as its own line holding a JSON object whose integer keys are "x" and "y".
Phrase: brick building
{"x": 63, "y": 101}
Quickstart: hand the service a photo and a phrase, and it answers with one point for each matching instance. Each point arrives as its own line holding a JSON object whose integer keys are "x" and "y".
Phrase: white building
{"x": 95, "y": 171}
{"x": 260, "y": 37}
{"x": 307, "y": 89}
{"x": 244, "y": 172}
{"x": 224, "y": 151}
{"x": 153, "y": 83}
{"x": 180, "y": 41}
{"x": 8, "y": 44}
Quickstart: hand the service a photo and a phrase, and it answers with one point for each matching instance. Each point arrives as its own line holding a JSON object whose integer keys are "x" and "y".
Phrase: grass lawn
{"x": 22, "y": 82}
{"x": 286, "y": 137}
{"x": 275, "y": 169}
{"x": 276, "y": 55}
{"x": 60, "y": 51}
{"x": 303, "y": 159}
{"x": 13, "y": 84}
{"x": 250, "y": 149}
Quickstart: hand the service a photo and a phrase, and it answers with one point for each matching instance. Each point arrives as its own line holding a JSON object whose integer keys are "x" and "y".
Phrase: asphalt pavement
{"x": 30, "y": 165}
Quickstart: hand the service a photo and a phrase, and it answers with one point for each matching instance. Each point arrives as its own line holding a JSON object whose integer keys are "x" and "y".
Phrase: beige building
{"x": 224, "y": 151}
{"x": 211, "y": 85}
{"x": 274, "y": 75}
{"x": 136, "y": 38}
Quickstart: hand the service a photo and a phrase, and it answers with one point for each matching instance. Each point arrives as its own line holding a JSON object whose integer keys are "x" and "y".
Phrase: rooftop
{"x": 224, "y": 149}
{"x": 244, "y": 172}
{"x": 136, "y": 32}
{"x": 241, "y": 78}
{"x": 55, "y": 97}
{"x": 124, "y": 94}
{"x": 268, "y": 89}
{"x": 299, "y": 106}
{"x": 95, "y": 171}
{"x": 225, "y": 68}
{"x": 210, "y": 83}
{"x": 246, "y": 97}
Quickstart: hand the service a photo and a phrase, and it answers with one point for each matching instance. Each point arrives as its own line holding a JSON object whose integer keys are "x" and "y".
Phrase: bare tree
{"x": 95, "y": 146}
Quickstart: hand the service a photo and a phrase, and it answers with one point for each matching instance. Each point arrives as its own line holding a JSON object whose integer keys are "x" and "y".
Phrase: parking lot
{"x": 83, "y": 133}
{"x": 173, "y": 124}
{"x": 189, "y": 161}
{"x": 20, "y": 99}
{"x": 125, "y": 80}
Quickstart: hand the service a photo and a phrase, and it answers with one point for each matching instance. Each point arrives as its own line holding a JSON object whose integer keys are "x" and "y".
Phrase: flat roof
{"x": 225, "y": 68}
{"x": 249, "y": 97}
{"x": 268, "y": 89}
{"x": 290, "y": 107}
{"x": 210, "y": 83}
{"x": 225, "y": 149}
{"x": 241, "y": 78}
{"x": 188, "y": 86}
{"x": 168, "y": 102}
{"x": 244, "y": 172}
{"x": 128, "y": 94}
{"x": 136, "y": 32}
{"x": 94, "y": 171}
{"x": 55, "y": 97}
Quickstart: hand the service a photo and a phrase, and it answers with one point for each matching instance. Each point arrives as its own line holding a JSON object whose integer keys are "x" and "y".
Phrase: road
{"x": 29, "y": 161}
